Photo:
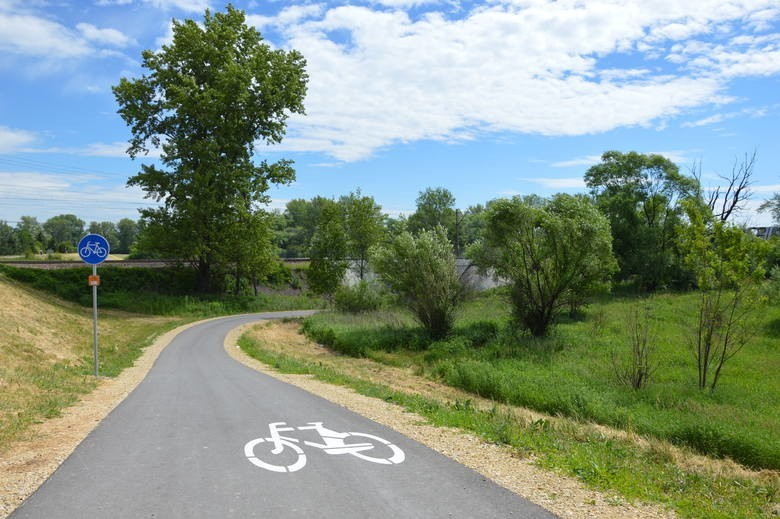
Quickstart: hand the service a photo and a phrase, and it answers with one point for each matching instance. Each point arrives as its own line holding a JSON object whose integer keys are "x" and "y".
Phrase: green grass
{"x": 37, "y": 385}
{"x": 637, "y": 474}
{"x": 571, "y": 373}
{"x": 163, "y": 291}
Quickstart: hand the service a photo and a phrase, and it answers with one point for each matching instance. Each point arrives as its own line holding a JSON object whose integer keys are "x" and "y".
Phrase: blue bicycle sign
{"x": 93, "y": 249}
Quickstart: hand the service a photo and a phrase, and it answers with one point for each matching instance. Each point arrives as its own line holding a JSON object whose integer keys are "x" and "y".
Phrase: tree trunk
{"x": 203, "y": 276}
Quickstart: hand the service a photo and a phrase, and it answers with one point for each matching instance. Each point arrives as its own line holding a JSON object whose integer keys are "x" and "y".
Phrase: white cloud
{"x": 104, "y": 3}
{"x": 720, "y": 117}
{"x": 559, "y": 183}
{"x": 12, "y": 140}
{"x": 29, "y": 35}
{"x": 18, "y": 184}
{"x": 97, "y": 149}
{"x": 287, "y": 16}
{"x": 90, "y": 197}
{"x": 104, "y": 36}
{"x": 587, "y": 160}
{"x": 741, "y": 56}
{"x": 167, "y": 38}
{"x": 405, "y": 4}
{"x": 190, "y": 6}
{"x": 114, "y": 149}
{"x": 590, "y": 160}
{"x": 751, "y": 217}
{"x": 766, "y": 189}
{"x": 713, "y": 119}
{"x": 381, "y": 77}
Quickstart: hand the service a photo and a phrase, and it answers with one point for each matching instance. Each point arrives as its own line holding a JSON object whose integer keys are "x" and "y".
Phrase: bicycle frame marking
{"x": 333, "y": 443}
{"x": 93, "y": 247}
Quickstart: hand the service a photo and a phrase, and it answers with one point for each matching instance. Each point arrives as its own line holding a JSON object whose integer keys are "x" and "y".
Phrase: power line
{"x": 76, "y": 200}
{"x": 54, "y": 167}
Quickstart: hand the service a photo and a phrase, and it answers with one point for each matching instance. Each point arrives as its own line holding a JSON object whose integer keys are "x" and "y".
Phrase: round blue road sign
{"x": 93, "y": 249}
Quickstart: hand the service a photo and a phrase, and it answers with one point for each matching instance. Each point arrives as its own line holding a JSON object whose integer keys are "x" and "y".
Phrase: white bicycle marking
{"x": 333, "y": 442}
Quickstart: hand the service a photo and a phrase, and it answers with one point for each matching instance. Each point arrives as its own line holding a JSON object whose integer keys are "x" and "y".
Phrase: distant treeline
{"x": 645, "y": 198}
{"x": 61, "y": 234}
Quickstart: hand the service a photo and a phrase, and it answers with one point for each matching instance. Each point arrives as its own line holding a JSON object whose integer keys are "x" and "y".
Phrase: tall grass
{"x": 571, "y": 373}
{"x": 163, "y": 291}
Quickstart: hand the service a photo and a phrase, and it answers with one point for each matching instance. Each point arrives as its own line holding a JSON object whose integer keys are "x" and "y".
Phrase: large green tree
{"x": 553, "y": 254}
{"x": 207, "y": 98}
{"x": 127, "y": 233}
{"x": 64, "y": 231}
{"x": 302, "y": 217}
{"x": 107, "y": 230}
{"x": 9, "y": 243}
{"x": 364, "y": 224}
{"x": 435, "y": 207}
{"x": 328, "y": 251}
{"x": 640, "y": 195}
{"x": 30, "y": 235}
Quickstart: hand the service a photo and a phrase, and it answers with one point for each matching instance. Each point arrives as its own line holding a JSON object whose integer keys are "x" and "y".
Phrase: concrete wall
{"x": 468, "y": 273}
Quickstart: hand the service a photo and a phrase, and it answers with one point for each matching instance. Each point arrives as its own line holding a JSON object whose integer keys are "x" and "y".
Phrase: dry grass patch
{"x": 46, "y": 355}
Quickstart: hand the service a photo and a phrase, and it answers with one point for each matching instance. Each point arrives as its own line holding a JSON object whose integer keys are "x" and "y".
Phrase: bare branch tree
{"x": 636, "y": 368}
{"x": 724, "y": 201}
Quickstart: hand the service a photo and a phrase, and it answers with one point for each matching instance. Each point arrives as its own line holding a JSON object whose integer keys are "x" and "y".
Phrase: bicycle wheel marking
{"x": 367, "y": 447}
{"x": 249, "y": 451}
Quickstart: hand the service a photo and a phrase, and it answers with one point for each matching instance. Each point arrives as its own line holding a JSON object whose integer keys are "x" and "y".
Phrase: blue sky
{"x": 487, "y": 99}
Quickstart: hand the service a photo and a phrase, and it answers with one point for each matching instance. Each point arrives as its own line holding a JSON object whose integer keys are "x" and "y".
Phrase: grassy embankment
{"x": 162, "y": 291}
{"x": 46, "y": 331}
{"x": 46, "y": 354}
{"x": 570, "y": 376}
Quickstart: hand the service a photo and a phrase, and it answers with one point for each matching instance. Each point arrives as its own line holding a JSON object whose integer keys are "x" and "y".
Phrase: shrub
{"x": 442, "y": 350}
{"x": 357, "y": 299}
{"x": 421, "y": 271}
{"x": 554, "y": 254}
{"x": 771, "y": 289}
{"x": 479, "y": 333}
{"x": 729, "y": 264}
{"x": 635, "y": 368}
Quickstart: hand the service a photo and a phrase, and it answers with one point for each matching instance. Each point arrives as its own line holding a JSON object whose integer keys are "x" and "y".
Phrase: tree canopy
{"x": 421, "y": 270}
{"x": 64, "y": 231}
{"x": 207, "y": 98}
{"x": 363, "y": 222}
{"x": 772, "y": 205}
{"x": 640, "y": 195}
{"x": 553, "y": 253}
{"x": 435, "y": 207}
{"x": 328, "y": 250}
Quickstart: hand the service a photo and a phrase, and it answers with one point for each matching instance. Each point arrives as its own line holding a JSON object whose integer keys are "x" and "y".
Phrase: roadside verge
{"x": 563, "y": 496}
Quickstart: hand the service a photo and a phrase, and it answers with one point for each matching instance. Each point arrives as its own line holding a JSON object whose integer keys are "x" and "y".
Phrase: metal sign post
{"x": 94, "y": 249}
{"x": 94, "y": 320}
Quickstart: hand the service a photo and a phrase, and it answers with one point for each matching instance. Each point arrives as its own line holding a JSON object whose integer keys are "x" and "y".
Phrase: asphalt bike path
{"x": 205, "y": 436}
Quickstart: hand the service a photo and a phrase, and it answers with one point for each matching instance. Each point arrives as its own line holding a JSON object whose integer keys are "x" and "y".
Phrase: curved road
{"x": 181, "y": 445}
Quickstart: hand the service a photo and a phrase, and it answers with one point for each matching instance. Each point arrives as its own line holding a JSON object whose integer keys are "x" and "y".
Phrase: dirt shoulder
{"x": 561, "y": 495}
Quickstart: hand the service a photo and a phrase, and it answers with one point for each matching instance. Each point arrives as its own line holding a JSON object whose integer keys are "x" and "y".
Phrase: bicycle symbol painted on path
{"x": 372, "y": 448}
{"x": 93, "y": 247}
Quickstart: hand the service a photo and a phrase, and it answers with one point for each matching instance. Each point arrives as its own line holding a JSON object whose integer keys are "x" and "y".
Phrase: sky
{"x": 487, "y": 99}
